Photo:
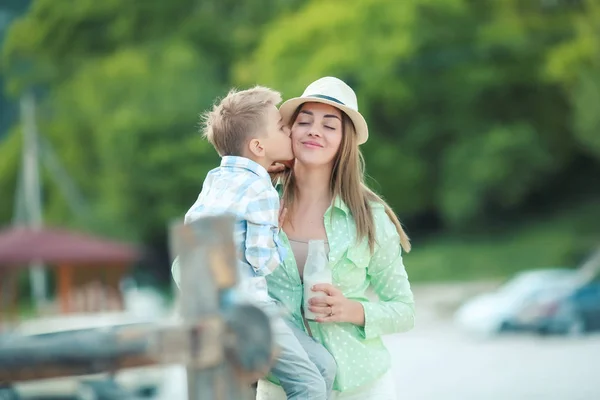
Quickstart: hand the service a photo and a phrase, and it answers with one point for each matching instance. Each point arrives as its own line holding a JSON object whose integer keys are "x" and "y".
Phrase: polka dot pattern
{"x": 359, "y": 351}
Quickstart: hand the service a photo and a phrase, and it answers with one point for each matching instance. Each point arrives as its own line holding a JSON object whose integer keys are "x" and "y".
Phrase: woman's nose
{"x": 314, "y": 132}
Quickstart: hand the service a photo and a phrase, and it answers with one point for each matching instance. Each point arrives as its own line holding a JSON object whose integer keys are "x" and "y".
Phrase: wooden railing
{"x": 224, "y": 346}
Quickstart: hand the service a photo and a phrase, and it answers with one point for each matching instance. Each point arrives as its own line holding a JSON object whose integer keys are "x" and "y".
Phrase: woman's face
{"x": 317, "y": 134}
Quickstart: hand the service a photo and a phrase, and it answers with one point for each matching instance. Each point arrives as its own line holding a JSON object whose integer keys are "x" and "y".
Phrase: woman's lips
{"x": 311, "y": 144}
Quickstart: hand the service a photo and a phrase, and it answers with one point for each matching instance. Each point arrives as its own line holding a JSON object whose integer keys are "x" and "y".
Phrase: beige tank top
{"x": 300, "y": 250}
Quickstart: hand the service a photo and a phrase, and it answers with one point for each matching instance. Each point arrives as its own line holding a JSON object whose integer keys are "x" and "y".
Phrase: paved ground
{"x": 435, "y": 361}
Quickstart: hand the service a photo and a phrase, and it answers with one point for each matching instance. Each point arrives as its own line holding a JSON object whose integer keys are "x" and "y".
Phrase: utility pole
{"x": 31, "y": 188}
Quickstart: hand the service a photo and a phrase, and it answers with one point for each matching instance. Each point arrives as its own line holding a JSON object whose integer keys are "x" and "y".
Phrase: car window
{"x": 590, "y": 290}
{"x": 531, "y": 282}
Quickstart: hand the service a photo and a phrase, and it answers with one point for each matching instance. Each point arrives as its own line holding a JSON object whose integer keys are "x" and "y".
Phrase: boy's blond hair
{"x": 237, "y": 117}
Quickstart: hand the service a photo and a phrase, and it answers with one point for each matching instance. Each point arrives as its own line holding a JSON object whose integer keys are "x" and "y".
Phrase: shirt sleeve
{"x": 263, "y": 250}
{"x": 395, "y": 311}
{"x": 192, "y": 214}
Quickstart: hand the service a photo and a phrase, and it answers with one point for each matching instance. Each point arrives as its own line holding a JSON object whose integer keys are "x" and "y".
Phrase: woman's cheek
{"x": 296, "y": 132}
{"x": 295, "y": 145}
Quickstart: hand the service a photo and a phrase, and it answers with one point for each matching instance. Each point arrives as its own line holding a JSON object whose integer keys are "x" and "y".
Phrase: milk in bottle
{"x": 316, "y": 270}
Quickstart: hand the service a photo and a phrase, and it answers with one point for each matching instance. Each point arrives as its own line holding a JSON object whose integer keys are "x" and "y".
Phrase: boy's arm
{"x": 263, "y": 250}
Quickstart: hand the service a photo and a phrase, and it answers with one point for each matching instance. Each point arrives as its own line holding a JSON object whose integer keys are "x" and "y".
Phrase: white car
{"x": 517, "y": 303}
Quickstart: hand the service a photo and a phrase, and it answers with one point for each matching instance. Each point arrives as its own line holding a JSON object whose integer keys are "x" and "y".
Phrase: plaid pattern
{"x": 241, "y": 187}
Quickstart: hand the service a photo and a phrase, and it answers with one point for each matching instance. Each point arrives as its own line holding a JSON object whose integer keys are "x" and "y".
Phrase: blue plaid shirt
{"x": 241, "y": 187}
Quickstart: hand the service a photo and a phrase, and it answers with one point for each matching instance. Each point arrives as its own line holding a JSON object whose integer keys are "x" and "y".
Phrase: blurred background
{"x": 485, "y": 139}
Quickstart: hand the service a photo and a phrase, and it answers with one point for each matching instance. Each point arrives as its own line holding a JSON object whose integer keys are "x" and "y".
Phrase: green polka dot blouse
{"x": 359, "y": 351}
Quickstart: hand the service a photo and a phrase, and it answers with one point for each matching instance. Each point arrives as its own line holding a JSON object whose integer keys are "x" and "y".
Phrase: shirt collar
{"x": 340, "y": 205}
{"x": 245, "y": 163}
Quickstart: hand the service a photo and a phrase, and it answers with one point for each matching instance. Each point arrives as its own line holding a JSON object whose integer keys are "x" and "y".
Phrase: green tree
{"x": 454, "y": 91}
{"x": 575, "y": 65}
{"x": 134, "y": 132}
{"x": 124, "y": 84}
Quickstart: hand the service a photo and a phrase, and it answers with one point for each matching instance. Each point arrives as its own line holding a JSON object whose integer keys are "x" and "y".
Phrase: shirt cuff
{"x": 370, "y": 329}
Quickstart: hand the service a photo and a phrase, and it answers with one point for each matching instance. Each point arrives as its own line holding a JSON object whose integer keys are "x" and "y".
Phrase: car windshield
{"x": 531, "y": 281}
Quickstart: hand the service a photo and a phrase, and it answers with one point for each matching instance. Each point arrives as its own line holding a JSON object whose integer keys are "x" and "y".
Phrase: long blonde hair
{"x": 347, "y": 182}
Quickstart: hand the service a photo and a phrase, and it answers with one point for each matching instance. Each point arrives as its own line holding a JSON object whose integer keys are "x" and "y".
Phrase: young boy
{"x": 247, "y": 131}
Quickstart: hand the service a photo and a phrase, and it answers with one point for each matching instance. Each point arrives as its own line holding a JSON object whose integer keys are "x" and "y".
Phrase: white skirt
{"x": 383, "y": 389}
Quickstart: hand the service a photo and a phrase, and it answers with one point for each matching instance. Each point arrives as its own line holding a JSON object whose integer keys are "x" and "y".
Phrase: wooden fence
{"x": 224, "y": 346}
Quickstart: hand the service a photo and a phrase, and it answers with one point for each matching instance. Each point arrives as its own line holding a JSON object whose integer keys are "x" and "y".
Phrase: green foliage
{"x": 136, "y": 113}
{"x": 498, "y": 168}
{"x": 453, "y": 91}
{"x": 575, "y": 65}
{"x": 10, "y": 162}
{"x": 54, "y": 38}
{"x": 543, "y": 240}
{"x": 126, "y": 82}
{"x": 586, "y": 117}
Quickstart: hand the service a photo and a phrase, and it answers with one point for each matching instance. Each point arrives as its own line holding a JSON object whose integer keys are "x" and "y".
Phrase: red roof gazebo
{"x": 77, "y": 258}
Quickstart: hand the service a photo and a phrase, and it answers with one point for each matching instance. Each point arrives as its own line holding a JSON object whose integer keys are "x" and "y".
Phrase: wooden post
{"x": 207, "y": 260}
{"x": 9, "y": 306}
{"x": 65, "y": 288}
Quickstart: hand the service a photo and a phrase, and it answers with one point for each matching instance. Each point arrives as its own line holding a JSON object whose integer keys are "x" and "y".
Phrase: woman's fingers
{"x": 327, "y": 288}
{"x": 276, "y": 168}
{"x": 323, "y": 310}
{"x": 323, "y": 301}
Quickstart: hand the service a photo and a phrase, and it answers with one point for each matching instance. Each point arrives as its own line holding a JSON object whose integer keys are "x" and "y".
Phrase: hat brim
{"x": 290, "y": 106}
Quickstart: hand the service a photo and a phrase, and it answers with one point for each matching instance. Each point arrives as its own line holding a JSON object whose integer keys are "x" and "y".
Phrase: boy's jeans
{"x": 305, "y": 369}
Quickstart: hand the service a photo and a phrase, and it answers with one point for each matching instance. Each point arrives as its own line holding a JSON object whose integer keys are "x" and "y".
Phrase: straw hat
{"x": 336, "y": 93}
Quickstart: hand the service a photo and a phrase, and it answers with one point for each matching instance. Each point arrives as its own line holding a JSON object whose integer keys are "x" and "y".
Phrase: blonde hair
{"x": 237, "y": 117}
{"x": 347, "y": 182}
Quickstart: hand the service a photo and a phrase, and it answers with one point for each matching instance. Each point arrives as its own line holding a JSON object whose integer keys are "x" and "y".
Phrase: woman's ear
{"x": 256, "y": 147}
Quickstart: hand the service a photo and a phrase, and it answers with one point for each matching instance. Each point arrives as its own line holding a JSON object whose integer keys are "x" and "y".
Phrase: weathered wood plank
{"x": 97, "y": 350}
{"x": 208, "y": 266}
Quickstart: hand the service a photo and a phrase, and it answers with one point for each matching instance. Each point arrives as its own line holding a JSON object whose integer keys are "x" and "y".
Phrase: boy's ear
{"x": 256, "y": 147}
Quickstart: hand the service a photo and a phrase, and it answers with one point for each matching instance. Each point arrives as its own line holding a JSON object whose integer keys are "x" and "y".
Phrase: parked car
{"x": 520, "y": 303}
{"x": 576, "y": 314}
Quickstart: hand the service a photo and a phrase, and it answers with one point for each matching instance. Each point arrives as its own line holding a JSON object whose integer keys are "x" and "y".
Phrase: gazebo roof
{"x": 20, "y": 245}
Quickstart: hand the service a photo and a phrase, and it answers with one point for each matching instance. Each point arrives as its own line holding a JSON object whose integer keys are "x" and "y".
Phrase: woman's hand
{"x": 280, "y": 166}
{"x": 335, "y": 307}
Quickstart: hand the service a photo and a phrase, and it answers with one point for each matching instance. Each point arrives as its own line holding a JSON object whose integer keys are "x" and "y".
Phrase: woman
{"x": 326, "y": 198}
